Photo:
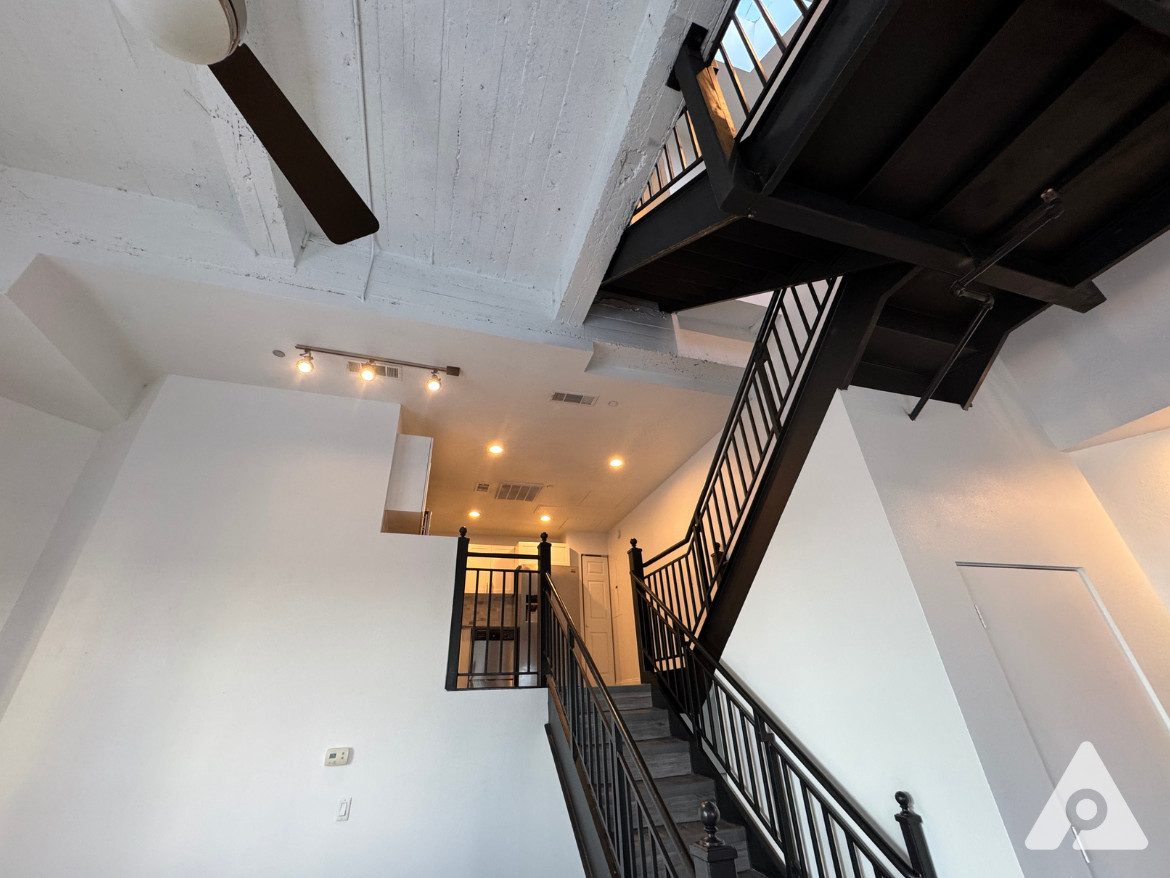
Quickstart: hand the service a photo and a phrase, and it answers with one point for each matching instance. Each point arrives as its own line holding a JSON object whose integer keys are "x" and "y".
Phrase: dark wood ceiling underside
{"x": 952, "y": 121}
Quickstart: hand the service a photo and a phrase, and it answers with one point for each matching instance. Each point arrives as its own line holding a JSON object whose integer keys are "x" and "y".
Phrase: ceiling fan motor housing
{"x": 196, "y": 31}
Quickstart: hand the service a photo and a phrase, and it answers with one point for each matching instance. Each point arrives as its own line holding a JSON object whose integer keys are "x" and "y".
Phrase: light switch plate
{"x": 343, "y": 810}
{"x": 338, "y": 755}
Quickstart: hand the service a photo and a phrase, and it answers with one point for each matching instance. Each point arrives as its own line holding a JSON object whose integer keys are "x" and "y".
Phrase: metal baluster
{"x": 751, "y": 51}
{"x": 831, "y": 836}
{"x": 694, "y": 137}
{"x": 776, "y": 35}
{"x": 811, "y": 829}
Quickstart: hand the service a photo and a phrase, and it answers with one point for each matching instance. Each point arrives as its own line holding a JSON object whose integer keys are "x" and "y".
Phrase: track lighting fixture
{"x": 369, "y": 367}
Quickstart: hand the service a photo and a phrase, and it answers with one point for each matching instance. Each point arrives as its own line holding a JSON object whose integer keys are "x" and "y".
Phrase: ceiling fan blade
{"x": 333, "y": 202}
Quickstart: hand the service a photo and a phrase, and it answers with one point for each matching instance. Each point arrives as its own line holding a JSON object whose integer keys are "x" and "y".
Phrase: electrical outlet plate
{"x": 338, "y": 755}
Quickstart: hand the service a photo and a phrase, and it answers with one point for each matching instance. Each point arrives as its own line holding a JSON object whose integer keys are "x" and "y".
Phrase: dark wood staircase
{"x": 667, "y": 751}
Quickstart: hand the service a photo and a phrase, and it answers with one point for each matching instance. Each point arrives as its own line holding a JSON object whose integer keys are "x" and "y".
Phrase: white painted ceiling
{"x": 486, "y": 121}
{"x": 496, "y": 143}
{"x": 502, "y": 395}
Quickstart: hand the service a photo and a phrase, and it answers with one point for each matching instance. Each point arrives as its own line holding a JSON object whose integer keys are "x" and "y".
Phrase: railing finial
{"x": 709, "y": 817}
{"x": 633, "y": 542}
{"x": 462, "y": 531}
{"x": 544, "y": 538}
{"x": 712, "y": 858}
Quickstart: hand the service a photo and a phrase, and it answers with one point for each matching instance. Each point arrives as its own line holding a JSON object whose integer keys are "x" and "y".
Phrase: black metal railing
{"x": 644, "y": 841}
{"x": 680, "y": 156}
{"x": 816, "y": 829}
{"x": 495, "y": 631}
{"x": 686, "y": 576}
{"x": 748, "y": 54}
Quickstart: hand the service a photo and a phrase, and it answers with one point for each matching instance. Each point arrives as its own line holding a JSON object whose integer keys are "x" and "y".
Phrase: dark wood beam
{"x": 921, "y": 326}
{"x": 837, "y": 44}
{"x": 680, "y": 218}
{"x": 901, "y": 240}
{"x": 1118, "y": 239}
{"x": 1154, "y": 14}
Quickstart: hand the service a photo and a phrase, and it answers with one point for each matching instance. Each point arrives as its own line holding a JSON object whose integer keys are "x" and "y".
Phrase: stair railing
{"x": 644, "y": 841}
{"x": 686, "y": 576}
{"x": 746, "y": 56}
{"x": 816, "y": 828}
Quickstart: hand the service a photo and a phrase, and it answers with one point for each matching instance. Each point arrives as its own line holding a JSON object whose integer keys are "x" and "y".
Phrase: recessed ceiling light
{"x": 496, "y": 449}
{"x": 546, "y": 518}
{"x": 473, "y": 514}
{"x": 616, "y": 462}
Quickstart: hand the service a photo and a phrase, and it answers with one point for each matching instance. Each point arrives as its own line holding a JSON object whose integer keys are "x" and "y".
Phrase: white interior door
{"x": 1074, "y": 680}
{"x": 598, "y": 614}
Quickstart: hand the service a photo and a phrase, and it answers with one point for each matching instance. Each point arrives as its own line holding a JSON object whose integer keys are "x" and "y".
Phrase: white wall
{"x": 41, "y": 457}
{"x": 986, "y": 485}
{"x": 659, "y": 521}
{"x": 833, "y": 639}
{"x": 235, "y": 612}
{"x": 1082, "y": 375}
{"x": 47, "y": 580}
{"x": 1131, "y": 478}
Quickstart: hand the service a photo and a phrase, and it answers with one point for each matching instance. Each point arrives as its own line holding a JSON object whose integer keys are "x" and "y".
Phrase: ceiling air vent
{"x": 525, "y": 491}
{"x": 573, "y": 398}
{"x": 482, "y": 488}
{"x": 381, "y": 370}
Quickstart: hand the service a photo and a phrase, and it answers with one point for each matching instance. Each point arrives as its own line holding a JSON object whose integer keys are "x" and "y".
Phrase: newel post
{"x": 544, "y": 553}
{"x": 461, "y": 549}
{"x": 638, "y": 577}
{"x": 915, "y": 838}
{"x": 711, "y": 856}
{"x": 544, "y": 568}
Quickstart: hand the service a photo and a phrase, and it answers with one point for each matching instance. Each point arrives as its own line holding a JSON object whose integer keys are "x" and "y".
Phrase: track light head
{"x": 305, "y": 363}
{"x": 435, "y": 383}
{"x": 369, "y": 372}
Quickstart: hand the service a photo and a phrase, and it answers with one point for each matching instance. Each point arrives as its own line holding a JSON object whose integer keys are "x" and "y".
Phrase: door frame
{"x": 1096, "y": 596}
{"x": 584, "y": 617}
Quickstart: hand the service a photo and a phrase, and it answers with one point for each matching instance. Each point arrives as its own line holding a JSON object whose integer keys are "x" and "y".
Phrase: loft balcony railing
{"x": 687, "y": 576}
{"x": 495, "y": 635}
{"x": 747, "y": 56}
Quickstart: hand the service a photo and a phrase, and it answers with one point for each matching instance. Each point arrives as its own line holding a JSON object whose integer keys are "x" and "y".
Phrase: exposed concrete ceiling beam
{"x": 640, "y": 123}
{"x": 41, "y": 214}
{"x": 274, "y": 217}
